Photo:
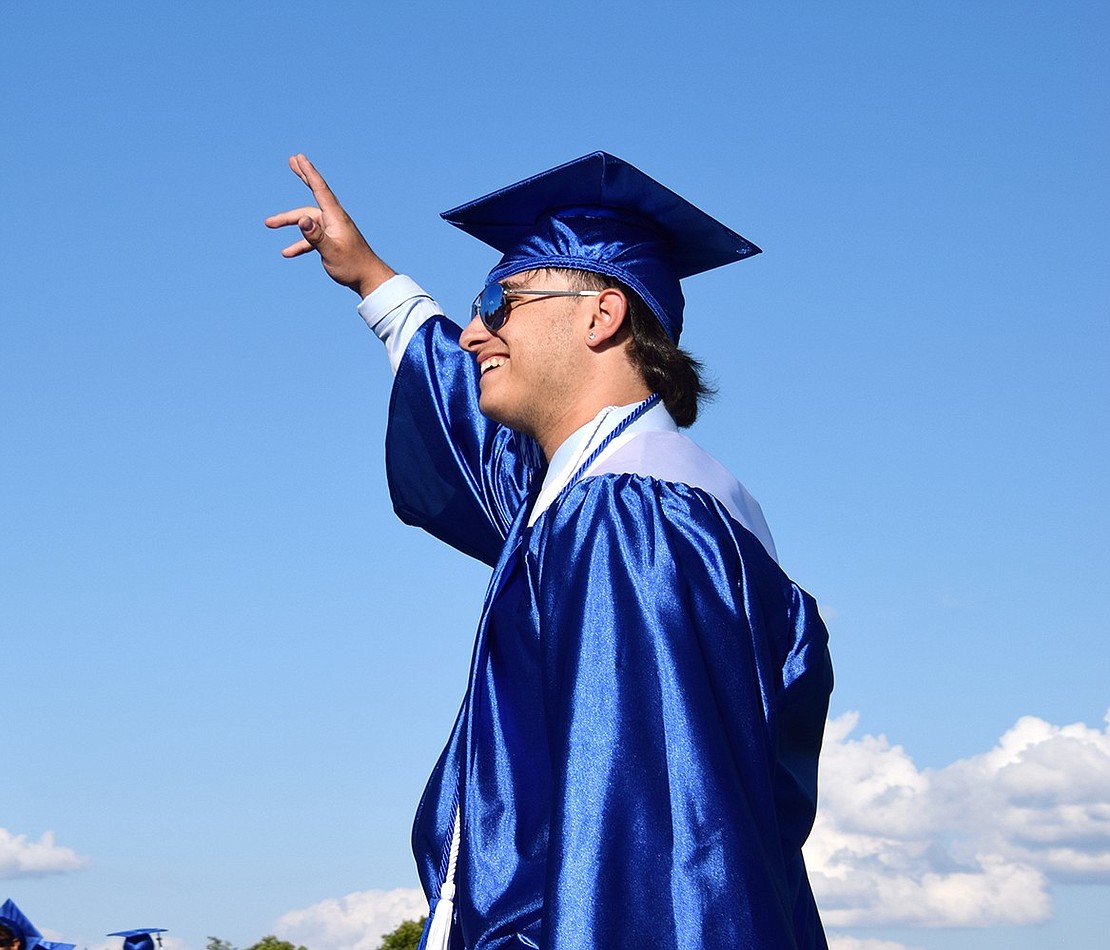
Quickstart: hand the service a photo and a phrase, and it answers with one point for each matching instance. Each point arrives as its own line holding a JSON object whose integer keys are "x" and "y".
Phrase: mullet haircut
{"x": 665, "y": 367}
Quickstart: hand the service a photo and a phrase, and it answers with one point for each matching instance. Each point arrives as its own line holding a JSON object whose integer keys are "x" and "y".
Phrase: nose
{"x": 474, "y": 335}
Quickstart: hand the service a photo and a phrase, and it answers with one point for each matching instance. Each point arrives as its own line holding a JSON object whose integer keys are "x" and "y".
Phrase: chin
{"x": 498, "y": 412}
{"x": 492, "y": 408}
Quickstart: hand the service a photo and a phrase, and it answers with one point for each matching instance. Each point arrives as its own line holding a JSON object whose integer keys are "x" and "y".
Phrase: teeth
{"x": 491, "y": 363}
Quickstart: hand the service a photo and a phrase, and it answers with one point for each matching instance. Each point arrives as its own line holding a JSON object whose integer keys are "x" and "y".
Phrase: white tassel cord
{"x": 439, "y": 933}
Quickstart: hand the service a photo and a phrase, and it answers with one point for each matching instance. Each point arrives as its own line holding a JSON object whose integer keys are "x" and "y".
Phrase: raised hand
{"x": 327, "y": 229}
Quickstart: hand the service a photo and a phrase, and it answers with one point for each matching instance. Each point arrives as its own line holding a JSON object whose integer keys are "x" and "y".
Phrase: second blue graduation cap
{"x": 600, "y": 214}
{"x": 142, "y": 939}
{"x": 16, "y": 921}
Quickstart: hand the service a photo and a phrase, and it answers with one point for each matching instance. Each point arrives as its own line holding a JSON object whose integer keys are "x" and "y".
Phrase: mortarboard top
{"x": 598, "y": 213}
{"x": 139, "y": 939}
{"x": 15, "y": 920}
{"x": 52, "y": 945}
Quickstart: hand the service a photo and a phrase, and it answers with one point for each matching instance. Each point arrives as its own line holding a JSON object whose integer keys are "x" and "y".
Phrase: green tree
{"x": 270, "y": 942}
{"x": 405, "y": 937}
{"x": 215, "y": 943}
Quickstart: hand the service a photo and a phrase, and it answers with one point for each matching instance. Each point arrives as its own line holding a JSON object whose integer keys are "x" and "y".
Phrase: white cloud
{"x": 22, "y": 857}
{"x": 973, "y": 844}
{"x": 1041, "y": 796}
{"x": 355, "y": 922}
{"x": 855, "y": 943}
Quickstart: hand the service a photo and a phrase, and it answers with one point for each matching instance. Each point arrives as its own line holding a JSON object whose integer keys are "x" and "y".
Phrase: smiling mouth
{"x": 492, "y": 363}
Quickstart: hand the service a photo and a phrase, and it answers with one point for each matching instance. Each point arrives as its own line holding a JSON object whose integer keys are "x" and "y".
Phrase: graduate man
{"x": 635, "y": 761}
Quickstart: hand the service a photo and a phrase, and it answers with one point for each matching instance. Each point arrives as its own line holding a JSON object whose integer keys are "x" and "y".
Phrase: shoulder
{"x": 621, "y": 545}
{"x": 668, "y": 456}
{"x": 673, "y": 458}
{"x": 627, "y": 518}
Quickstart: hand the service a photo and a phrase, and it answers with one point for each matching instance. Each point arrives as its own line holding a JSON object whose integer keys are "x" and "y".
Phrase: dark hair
{"x": 666, "y": 368}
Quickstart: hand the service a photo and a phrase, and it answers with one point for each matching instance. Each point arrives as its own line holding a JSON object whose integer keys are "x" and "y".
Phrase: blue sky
{"x": 235, "y": 669}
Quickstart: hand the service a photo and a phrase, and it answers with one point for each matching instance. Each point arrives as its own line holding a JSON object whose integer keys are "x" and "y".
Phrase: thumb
{"x": 311, "y": 229}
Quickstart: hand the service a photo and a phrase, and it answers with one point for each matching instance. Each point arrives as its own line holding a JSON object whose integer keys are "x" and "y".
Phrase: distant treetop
{"x": 405, "y": 937}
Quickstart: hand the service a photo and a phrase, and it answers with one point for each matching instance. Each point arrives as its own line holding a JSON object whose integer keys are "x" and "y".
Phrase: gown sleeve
{"x": 686, "y": 684}
{"x": 451, "y": 470}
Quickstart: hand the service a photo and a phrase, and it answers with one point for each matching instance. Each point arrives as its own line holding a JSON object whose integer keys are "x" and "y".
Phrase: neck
{"x": 562, "y": 427}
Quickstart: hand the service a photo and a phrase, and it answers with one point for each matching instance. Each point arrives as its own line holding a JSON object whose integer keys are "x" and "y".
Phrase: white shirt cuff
{"x": 394, "y": 312}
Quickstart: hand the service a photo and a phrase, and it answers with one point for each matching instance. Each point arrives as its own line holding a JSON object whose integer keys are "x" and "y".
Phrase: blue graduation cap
{"x": 600, "y": 214}
{"x": 52, "y": 945}
{"x": 14, "y": 920}
{"x": 140, "y": 939}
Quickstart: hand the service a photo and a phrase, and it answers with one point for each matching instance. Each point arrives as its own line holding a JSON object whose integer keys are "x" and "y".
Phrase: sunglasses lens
{"x": 492, "y": 307}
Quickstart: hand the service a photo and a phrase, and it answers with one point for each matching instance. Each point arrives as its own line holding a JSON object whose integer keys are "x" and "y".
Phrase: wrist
{"x": 371, "y": 277}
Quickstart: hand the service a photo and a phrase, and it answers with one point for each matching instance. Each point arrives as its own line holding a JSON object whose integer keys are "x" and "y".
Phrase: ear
{"x": 608, "y": 317}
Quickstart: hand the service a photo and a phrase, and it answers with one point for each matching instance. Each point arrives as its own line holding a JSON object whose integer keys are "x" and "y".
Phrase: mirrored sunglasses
{"x": 492, "y": 304}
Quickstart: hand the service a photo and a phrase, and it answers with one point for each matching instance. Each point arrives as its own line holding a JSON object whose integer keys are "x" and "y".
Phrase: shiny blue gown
{"x": 636, "y": 754}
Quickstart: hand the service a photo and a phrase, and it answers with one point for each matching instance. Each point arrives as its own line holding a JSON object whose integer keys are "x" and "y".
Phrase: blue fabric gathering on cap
{"x": 603, "y": 241}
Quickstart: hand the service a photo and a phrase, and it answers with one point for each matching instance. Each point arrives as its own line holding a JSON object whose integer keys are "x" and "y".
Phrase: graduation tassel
{"x": 439, "y": 933}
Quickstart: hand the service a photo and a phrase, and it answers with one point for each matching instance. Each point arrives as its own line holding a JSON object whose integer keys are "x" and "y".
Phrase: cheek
{"x": 555, "y": 348}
